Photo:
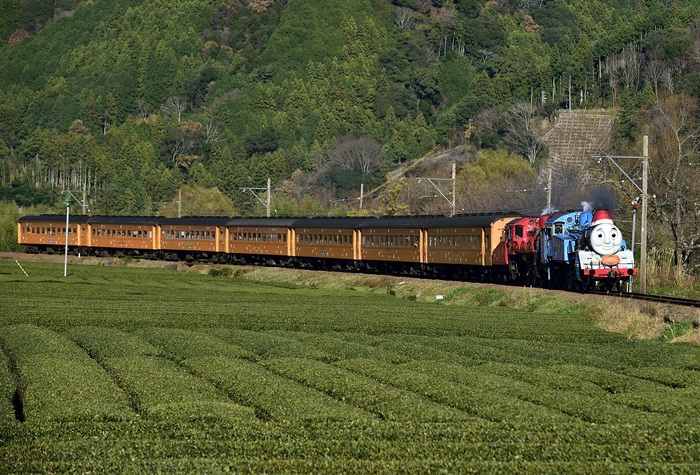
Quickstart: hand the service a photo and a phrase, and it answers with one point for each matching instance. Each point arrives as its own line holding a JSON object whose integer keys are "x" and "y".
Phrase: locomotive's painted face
{"x": 606, "y": 239}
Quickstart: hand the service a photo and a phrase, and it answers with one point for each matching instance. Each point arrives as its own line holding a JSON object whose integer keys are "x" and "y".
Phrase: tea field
{"x": 150, "y": 370}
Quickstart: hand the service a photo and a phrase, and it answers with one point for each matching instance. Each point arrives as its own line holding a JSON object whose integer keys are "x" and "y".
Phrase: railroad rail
{"x": 653, "y": 298}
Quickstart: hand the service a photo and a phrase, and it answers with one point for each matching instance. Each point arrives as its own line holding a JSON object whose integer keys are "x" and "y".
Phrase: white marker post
{"x": 65, "y": 261}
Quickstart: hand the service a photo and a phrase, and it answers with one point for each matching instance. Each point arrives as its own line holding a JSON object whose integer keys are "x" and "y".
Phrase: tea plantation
{"x": 151, "y": 370}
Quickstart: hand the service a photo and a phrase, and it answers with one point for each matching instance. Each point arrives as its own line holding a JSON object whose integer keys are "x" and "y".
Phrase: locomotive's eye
{"x": 613, "y": 234}
{"x": 600, "y": 235}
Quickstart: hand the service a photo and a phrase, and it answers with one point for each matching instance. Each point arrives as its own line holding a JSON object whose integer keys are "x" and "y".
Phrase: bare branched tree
{"x": 485, "y": 55}
{"x": 174, "y": 107}
{"x": 675, "y": 173}
{"x": 363, "y": 154}
{"x": 524, "y": 131}
{"x": 627, "y": 67}
{"x": 655, "y": 71}
{"x": 405, "y": 18}
{"x": 212, "y": 132}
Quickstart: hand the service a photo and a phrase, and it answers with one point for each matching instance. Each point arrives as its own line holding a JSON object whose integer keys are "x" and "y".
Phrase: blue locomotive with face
{"x": 581, "y": 250}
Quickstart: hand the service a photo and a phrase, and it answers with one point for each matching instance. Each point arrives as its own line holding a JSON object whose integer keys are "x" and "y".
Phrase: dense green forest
{"x": 132, "y": 101}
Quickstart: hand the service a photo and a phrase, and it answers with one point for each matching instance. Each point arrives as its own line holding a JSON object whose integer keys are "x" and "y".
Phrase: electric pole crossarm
{"x": 254, "y": 191}
{"x": 432, "y": 182}
{"x": 600, "y": 157}
{"x": 267, "y": 203}
{"x": 452, "y": 202}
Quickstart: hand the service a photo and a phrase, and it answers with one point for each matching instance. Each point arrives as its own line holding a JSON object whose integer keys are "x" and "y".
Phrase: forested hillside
{"x": 133, "y": 100}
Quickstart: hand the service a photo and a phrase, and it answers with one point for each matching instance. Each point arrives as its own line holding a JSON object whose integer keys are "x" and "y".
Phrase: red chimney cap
{"x": 601, "y": 216}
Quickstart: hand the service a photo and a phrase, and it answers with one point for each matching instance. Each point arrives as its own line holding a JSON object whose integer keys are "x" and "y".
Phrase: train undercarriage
{"x": 521, "y": 271}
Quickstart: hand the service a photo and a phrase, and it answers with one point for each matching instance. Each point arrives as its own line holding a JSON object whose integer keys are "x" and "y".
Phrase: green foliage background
{"x": 266, "y": 87}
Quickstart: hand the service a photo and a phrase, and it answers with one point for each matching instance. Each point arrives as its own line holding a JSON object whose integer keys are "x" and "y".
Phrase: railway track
{"x": 653, "y": 298}
{"x": 629, "y": 295}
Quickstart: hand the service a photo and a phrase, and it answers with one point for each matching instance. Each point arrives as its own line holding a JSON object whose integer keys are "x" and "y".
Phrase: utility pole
{"x": 67, "y": 203}
{"x": 65, "y": 258}
{"x": 362, "y": 195}
{"x": 549, "y": 188}
{"x": 645, "y": 202}
{"x": 454, "y": 188}
{"x": 269, "y": 196}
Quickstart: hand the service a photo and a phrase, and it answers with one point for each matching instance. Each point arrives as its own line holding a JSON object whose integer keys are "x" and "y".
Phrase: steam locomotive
{"x": 573, "y": 250}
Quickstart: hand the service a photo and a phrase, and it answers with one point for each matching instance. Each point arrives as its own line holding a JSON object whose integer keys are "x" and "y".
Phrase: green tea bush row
{"x": 470, "y": 398}
{"x": 671, "y": 377}
{"x": 587, "y": 408}
{"x": 610, "y": 381}
{"x": 407, "y": 347}
{"x": 603, "y": 384}
{"x": 273, "y": 396}
{"x": 472, "y": 349}
{"x": 58, "y": 380}
{"x": 182, "y": 344}
{"x": 381, "y": 399}
{"x": 270, "y": 344}
{"x": 161, "y": 389}
{"x": 334, "y": 344}
{"x": 560, "y": 377}
{"x": 104, "y": 342}
{"x": 347, "y": 444}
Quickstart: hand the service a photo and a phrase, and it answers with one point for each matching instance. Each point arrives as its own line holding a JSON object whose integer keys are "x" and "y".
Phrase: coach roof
{"x": 196, "y": 220}
{"x": 423, "y": 222}
{"x": 151, "y": 220}
{"x": 54, "y": 218}
{"x": 261, "y": 222}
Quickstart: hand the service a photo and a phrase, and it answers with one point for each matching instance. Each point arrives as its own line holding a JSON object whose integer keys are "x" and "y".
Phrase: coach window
{"x": 518, "y": 231}
{"x": 558, "y": 228}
